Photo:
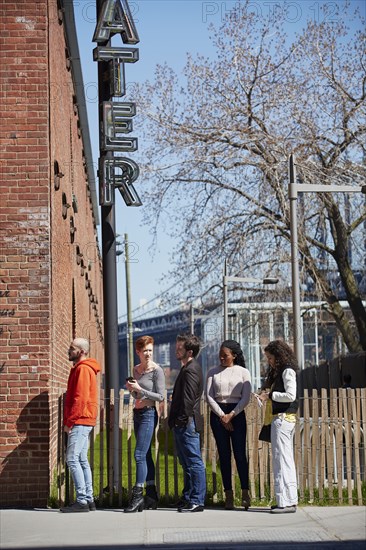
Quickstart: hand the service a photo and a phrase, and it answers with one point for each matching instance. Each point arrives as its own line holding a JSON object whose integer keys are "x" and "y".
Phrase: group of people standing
{"x": 228, "y": 391}
{"x": 185, "y": 420}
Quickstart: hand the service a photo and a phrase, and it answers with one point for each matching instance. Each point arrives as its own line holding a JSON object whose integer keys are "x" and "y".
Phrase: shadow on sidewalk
{"x": 321, "y": 545}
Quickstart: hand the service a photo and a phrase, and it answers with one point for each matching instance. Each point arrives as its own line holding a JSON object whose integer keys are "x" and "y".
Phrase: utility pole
{"x": 129, "y": 333}
{"x": 191, "y": 318}
{"x": 224, "y": 281}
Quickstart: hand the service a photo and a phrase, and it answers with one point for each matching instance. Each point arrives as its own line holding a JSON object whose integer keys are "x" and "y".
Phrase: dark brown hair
{"x": 191, "y": 343}
{"x": 285, "y": 359}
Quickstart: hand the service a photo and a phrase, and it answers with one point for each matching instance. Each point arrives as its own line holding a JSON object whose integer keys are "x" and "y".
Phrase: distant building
{"x": 164, "y": 329}
{"x": 255, "y": 324}
{"x": 252, "y": 324}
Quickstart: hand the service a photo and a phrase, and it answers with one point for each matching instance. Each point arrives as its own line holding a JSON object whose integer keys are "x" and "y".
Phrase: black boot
{"x": 151, "y": 498}
{"x": 137, "y": 500}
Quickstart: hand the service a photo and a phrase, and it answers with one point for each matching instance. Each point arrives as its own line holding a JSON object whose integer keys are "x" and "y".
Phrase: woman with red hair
{"x": 147, "y": 387}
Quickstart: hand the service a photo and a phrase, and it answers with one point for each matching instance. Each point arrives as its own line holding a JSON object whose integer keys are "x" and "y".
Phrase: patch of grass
{"x": 165, "y": 471}
{"x": 170, "y": 489}
{"x": 53, "y": 501}
{"x": 326, "y": 500}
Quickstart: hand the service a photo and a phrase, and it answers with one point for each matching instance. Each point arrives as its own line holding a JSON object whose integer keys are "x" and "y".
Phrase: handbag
{"x": 265, "y": 433}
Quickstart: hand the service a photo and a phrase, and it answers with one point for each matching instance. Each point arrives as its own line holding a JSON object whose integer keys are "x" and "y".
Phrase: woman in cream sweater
{"x": 228, "y": 393}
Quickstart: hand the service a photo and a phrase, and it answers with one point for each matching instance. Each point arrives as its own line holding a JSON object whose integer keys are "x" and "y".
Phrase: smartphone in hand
{"x": 259, "y": 401}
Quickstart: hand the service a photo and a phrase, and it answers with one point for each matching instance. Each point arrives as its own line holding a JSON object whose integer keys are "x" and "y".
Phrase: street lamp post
{"x": 293, "y": 189}
{"x": 298, "y": 339}
{"x": 226, "y": 279}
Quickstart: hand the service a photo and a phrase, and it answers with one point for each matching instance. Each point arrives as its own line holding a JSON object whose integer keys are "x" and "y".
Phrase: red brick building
{"x": 51, "y": 277}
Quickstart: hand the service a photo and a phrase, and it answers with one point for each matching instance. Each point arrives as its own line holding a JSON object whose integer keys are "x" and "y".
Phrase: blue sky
{"x": 168, "y": 30}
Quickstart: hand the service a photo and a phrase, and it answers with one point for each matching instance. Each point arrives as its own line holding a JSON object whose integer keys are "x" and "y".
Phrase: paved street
{"x": 310, "y": 528}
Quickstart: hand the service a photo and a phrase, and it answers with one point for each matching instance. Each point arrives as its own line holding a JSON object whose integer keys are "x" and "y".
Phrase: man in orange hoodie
{"x": 80, "y": 415}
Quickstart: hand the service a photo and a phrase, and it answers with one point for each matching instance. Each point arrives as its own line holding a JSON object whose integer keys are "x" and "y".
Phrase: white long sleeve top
{"x": 289, "y": 382}
{"x": 228, "y": 385}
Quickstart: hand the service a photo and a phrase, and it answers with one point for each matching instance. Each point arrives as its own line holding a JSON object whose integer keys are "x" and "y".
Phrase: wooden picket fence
{"x": 329, "y": 446}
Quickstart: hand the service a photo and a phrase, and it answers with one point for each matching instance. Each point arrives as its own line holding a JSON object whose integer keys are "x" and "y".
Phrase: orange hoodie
{"x": 81, "y": 403}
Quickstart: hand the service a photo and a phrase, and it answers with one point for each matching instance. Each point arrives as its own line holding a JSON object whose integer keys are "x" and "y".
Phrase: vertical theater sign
{"x": 116, "y": 171}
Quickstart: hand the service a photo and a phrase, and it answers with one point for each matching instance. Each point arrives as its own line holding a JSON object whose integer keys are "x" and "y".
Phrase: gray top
{"x": 152, "y": 383}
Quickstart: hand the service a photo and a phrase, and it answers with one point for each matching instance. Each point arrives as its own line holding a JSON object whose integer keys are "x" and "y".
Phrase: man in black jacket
{"x": 186, "y": 422}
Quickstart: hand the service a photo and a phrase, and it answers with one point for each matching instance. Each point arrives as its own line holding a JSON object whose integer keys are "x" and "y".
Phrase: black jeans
{"x": 236, "y": 440}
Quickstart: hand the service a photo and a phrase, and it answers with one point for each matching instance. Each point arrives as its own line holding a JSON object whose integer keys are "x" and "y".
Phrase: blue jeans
{"x": 237, "y": 439}
{"x": 144, "y": 423}
{"x": 77, "y": 461}
{"x": 187, "y": 442}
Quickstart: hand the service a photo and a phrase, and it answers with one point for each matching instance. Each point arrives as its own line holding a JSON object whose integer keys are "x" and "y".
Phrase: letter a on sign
{"x": 115, "y": 18}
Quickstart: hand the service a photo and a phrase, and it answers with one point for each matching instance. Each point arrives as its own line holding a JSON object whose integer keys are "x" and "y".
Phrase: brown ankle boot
{"x": 229, "y": 500}
{"x": 245, "y": 498}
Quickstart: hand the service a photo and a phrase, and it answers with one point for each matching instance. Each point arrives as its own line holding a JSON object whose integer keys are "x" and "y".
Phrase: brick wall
{"x": 50, "y": 282}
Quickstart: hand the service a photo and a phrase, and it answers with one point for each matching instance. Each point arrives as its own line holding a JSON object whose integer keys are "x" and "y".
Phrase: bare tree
{"x": 216, "y": 152}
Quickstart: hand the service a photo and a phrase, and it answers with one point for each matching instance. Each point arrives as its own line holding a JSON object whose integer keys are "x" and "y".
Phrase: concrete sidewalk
{"x": 310, "y": 528}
